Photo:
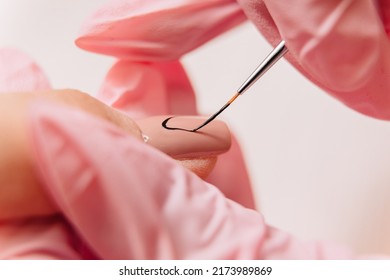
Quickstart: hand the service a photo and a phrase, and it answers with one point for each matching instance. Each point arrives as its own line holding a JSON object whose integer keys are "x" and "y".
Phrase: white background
{"x": 281, "y": 270}
{"x": 320, "y": 170}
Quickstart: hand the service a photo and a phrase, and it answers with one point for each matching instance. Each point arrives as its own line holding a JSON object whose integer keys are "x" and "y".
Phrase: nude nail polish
{"x": 211, "y": 140}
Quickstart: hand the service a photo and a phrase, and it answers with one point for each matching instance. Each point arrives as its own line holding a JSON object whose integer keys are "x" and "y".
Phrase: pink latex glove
{"x": 340, "y": 45}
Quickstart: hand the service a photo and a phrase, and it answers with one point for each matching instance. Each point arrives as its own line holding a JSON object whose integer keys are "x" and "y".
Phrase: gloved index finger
{"x": 157, "y": 30}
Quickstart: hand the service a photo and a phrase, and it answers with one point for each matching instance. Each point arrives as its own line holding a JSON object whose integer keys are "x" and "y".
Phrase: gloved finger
{"x": 145, "y": 89}
{"x": 341, "y": 45}
{"x": 18, "y": 72}
{"x": 148, "y": 206}
{"x": 155, "y": 31}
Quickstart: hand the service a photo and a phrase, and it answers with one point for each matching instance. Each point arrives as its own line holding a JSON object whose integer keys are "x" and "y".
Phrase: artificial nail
{"x": 211, "y": 140}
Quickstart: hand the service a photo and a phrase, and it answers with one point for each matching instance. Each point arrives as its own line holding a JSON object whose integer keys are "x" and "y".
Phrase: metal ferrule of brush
{"x": 277, "y": 53}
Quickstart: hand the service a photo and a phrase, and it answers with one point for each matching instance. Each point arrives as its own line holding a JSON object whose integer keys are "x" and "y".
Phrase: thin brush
{"x": 278, "y": 52}
{"x": 164, "y": 123}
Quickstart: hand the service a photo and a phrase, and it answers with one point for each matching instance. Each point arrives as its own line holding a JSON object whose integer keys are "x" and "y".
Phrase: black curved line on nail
{"x": 164, "y": 125}
{"x": 210, "y": 119}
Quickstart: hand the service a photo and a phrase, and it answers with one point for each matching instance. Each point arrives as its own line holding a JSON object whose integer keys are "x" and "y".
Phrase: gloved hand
{"x": 340, "y": 45}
